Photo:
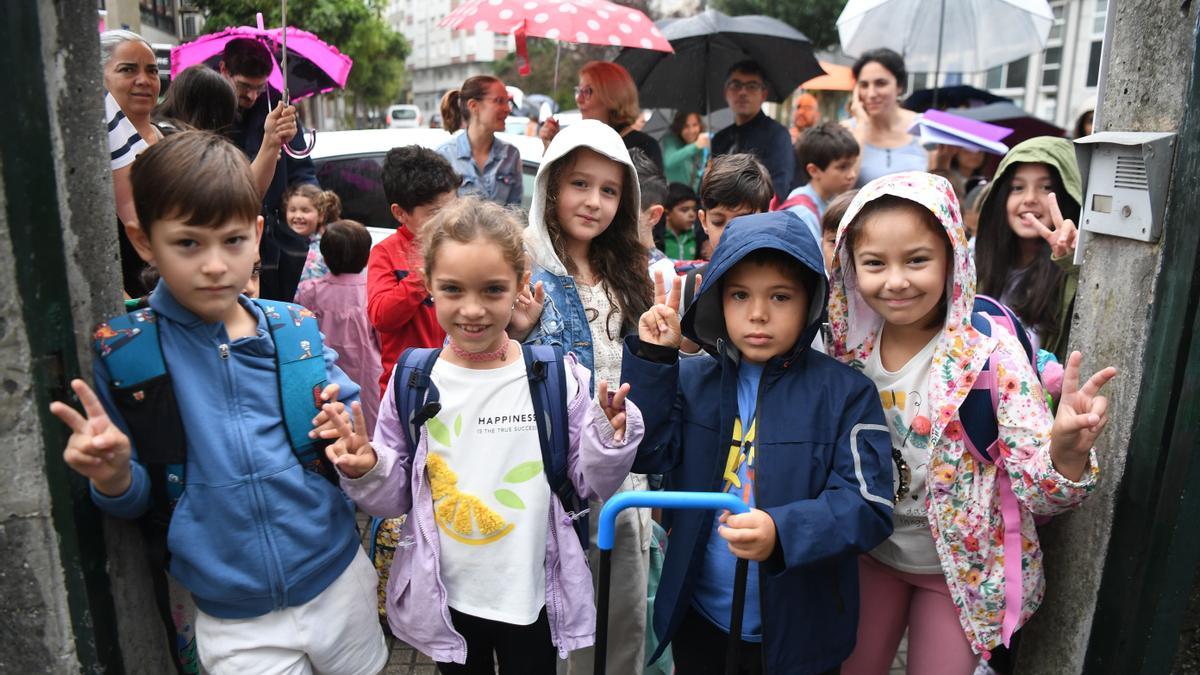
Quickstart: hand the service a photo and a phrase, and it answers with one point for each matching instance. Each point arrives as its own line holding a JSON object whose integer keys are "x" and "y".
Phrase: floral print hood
{"x": 855, "y": 327}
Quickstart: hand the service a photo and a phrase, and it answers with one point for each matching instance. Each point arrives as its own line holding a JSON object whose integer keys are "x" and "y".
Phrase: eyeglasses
{"x": 244, "y": 87}
{"x": 584, "y": 92}
{"x": 498, "y": 100}
{"x": 753, "y": 86}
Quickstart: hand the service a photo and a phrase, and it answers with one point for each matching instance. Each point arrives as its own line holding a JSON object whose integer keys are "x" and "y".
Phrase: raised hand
{"x": 548, "y": 131}
{"x": 659, "y": 325}
{"x": 351, "y": 453}
{"x": 280, "y": 125}
{"x": 527, "y": 311}
{"x": 324, "y": 425}
{"x": 751, "y": 535}
{"x": 1062, "y": 238}
{"x": 1082, "y": 414}
{"x": 97, "y": 448}
{"x": 613, "y": 405}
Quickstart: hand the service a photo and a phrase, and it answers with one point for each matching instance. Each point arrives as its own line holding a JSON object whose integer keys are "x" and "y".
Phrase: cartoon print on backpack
{"x": 109, "y": 338}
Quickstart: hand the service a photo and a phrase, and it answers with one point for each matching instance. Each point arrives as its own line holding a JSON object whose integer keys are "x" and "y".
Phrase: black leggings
{"x": 518, "y": 649}
{"x": 699, "y": 648}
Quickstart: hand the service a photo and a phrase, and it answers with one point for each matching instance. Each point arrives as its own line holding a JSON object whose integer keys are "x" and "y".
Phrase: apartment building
{"x": 440, "y": 59}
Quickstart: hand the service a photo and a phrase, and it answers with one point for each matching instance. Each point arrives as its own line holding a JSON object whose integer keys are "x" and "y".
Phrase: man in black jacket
{"x": 754, "y": 132}
{"x": 247, "y": 64}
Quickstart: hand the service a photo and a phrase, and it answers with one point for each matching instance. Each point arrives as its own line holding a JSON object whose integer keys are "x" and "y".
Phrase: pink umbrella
{"x": 596, "y": 22}
{"x": 314, "y": 67}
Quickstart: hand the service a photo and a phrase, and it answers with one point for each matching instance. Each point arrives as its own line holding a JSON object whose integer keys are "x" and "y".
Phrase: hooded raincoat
{"x": 993, "y": 591}
{"x": 417, "y": 606}
{"x": 563, "y": 321}
{"x": 822, "y": 471}
{"x": 1059, "y": 155}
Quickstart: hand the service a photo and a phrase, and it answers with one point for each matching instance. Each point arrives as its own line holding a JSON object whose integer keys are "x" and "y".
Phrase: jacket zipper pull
{"x": 224, "y": 349}
{"x": 572, "y": 516}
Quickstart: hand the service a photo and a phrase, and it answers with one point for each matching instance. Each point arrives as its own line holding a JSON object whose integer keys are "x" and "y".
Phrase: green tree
{"x": 817, "y": 19}
{"x": 355, "y": 27}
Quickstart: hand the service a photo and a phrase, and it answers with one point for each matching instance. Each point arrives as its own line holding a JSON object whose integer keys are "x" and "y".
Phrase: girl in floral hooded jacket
{"x": 902, "y": 286}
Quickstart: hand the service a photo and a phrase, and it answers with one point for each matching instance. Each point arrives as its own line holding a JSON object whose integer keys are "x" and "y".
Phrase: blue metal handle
{"x": 712, "y": 501}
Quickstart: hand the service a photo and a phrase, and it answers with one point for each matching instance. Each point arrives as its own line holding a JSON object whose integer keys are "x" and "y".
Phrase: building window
{"x": 1099, "y": 15}
{"x": 1056, "y": 29}
{"x": 1051, "y": 63}
{"x": 1017, "y": 72}
{"x": 995, "y": 77}
{"x": 1093, "y": 74}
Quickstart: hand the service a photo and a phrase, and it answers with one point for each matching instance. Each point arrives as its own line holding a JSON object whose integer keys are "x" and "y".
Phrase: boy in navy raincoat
{"x": 797, "y": 435}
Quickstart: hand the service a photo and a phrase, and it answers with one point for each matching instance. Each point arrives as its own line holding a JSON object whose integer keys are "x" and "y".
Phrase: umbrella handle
{"x": 310, "y": 142}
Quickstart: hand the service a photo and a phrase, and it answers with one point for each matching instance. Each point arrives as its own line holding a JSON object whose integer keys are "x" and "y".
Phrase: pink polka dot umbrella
{"x": 596, "y": 22}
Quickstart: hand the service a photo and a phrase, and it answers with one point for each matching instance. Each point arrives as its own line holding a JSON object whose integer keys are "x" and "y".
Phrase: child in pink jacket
{"x": 339, "y": 300}
{"x": 495, "y": 565}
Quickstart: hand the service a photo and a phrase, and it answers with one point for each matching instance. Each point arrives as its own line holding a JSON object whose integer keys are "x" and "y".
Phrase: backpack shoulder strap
{"x": 978, "y": 410}
{"x": 545, "y": 366}
{"x": 128, "y": 346}
{"x": 415, "y": 394}
{"x": 300, "y": 365}
{"x": 799, "y": 200}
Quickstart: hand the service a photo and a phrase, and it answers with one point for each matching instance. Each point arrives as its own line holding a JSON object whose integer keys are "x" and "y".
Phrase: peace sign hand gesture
{"x": 660, "y": 324}
{"x": 613, "y": 405}
{"x": 1062, "y": 238}
{"x": 1082, "y": 414}
{"x": 351, "y": 453}
{"x": 97, "y": 448}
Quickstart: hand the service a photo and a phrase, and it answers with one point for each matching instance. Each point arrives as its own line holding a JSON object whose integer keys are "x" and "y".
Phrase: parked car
{"x": 350, "y": 164}
{"x": 403, "y": 117}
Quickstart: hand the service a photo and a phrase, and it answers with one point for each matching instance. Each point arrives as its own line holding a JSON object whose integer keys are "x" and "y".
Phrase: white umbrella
{"x": 963, "y": 36}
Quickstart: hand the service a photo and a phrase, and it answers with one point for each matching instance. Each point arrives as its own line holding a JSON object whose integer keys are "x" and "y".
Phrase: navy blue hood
{"x": 704, "y": 321}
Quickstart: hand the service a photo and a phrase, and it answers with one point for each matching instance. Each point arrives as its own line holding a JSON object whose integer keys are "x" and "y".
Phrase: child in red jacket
{"x": 417, "y": 183}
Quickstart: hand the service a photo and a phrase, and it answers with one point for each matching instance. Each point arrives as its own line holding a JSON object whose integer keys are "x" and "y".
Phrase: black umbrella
{"x": 959, "y": 96}
{"x": 706, "y": 45}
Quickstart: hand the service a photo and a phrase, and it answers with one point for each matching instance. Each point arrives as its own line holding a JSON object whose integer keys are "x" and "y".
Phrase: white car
{"x": 350, "y": 164}
{"x": 403, "y": 116}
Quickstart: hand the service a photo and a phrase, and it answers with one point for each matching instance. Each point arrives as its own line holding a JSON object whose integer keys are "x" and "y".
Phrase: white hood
{"x": 600, "y": 138}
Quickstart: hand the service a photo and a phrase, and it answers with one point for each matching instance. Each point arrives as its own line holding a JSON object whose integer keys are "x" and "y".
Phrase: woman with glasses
{"x": 607, "y": 93}
{"x": 490, "y": 168}
{"x": 880, "y": 125}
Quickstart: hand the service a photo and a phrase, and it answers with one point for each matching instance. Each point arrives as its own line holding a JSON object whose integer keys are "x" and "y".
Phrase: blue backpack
{"x": 141, "y": 387}
{"x": 978, "y": 410}
{"x": 417, "y": 402}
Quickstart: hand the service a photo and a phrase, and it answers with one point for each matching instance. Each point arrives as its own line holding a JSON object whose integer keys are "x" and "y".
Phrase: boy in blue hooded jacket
{"x": 267, "y": 548}
{"x": 798, "y": 436}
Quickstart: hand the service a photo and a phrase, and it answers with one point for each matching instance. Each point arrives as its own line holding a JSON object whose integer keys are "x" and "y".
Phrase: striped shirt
{"x": 124, "y": 143}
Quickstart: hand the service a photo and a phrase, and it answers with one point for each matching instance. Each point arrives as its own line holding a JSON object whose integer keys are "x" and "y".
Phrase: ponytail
{"x": 455, "y": 111}
{"x": 452, "y": 117}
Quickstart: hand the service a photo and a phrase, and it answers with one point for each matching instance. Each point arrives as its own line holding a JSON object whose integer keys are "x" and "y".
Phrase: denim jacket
{"x": 563, "y": 320}
{"x": 501, "y": 179}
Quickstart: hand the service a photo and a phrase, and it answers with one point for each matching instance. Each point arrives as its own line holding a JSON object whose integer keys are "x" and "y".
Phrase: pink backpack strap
{"x": 1010, "y": 512}
{"x": 798, "y": 200}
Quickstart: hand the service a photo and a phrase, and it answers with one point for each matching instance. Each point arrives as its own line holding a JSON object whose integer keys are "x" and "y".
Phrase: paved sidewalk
{"x": 404, "y": 660}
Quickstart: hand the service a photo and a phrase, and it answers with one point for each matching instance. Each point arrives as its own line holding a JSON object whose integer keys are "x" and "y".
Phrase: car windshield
{"x": 404, "y": 113}
{"x": 358, "y": 182}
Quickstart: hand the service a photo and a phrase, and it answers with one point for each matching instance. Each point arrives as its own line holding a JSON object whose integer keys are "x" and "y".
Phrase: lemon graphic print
{"x": 462, "y": 516}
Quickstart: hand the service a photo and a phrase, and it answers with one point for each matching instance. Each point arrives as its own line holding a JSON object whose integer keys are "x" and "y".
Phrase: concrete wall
{"x": 56, "y": 582}
{"x": 1144, "y": 91}
{"x": 35, "y": 631}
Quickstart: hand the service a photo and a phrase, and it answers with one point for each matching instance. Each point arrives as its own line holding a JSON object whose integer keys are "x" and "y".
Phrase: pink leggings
{"x": 889, "y": 602}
